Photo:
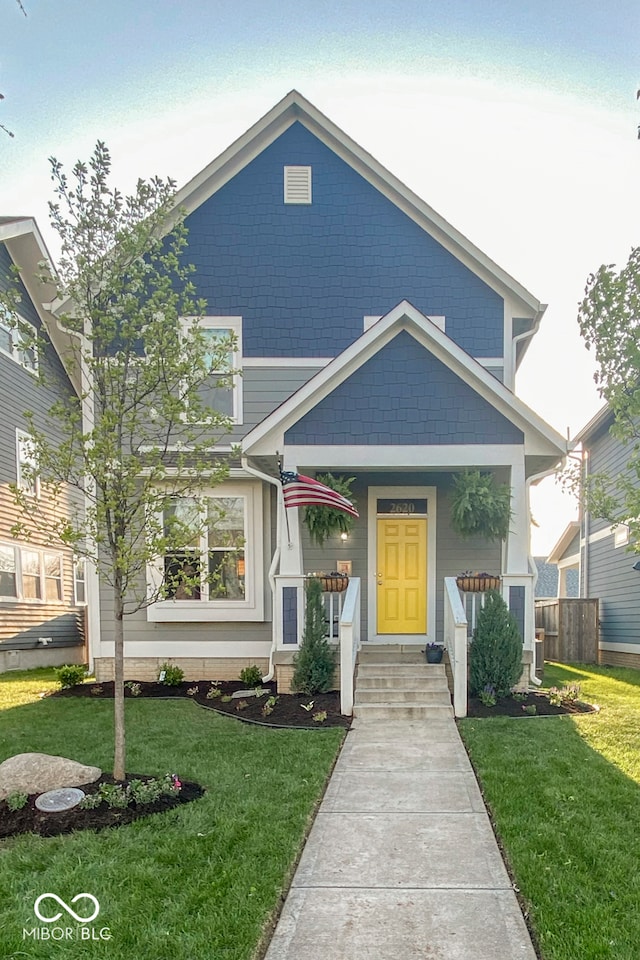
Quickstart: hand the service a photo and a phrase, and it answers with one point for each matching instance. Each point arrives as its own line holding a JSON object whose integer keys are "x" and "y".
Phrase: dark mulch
{"x": 31, "y": 820}
{"x": 508, "y": 707}
{"x": 287, "y": 712}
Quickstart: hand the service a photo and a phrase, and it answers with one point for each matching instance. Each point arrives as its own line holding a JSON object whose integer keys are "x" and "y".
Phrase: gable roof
{"x": 566, "y": 539}
{"x": 295, "y": 108}
{"x": 604, "y": 414}
{"x": 23, "y": 240}
{"x": 540, "y": 438}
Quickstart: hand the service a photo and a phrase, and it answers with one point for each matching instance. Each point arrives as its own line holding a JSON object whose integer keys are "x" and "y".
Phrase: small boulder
{"x": 39, "y": 772}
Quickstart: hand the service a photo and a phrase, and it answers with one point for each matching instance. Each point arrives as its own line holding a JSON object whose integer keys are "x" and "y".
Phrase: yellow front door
{"x": 402, "y": 576}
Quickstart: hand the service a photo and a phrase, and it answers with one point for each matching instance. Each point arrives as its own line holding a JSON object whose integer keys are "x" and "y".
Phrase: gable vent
{"x": 297, "y": 184}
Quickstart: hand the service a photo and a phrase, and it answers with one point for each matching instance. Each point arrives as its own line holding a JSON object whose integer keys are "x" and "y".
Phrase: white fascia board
{"x": 27, "y": 250}
{"x": 268, "y": 435}
{"x": 294, "y": 107}
{"x": 426, "y": 457}
{"x": 620, "y": 647}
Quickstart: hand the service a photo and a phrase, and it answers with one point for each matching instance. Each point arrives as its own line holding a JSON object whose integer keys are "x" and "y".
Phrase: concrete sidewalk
{"x": 401, "y": 862}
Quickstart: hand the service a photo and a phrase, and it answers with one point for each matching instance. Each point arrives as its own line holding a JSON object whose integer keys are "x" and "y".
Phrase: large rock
{"x": 38, "y": 772}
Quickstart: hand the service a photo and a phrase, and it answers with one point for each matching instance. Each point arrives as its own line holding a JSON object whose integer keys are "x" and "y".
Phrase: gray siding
{"x": 264, "y": 389}
{"x": 21, "y": 624}
{"x": 609, "y": 568}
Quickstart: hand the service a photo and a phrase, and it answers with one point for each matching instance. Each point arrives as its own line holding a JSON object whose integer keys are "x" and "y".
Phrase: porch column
{"x": 517, "y": 552}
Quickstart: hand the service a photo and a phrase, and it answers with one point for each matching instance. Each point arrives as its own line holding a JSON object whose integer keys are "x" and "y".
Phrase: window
{"x": 219, "y": 392}
{"x": 211, "y": 565}
{"x": 80, "y": 581}
{"x": 53, "y": 577}
{"x": 14, "y": 345}
{"x": 28, "y": 479}
{"x": 621, "y": 535}
{"x": 31, "y": 575}
{"x": 8, "y": 572}
{"x": 217, "y": 574}
{"x": 31, "y": 578}
{"x": 297, "y": 184}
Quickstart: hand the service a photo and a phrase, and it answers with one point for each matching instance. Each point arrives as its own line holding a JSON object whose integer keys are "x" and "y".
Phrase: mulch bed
{"x": 508, "y": 707}
{"x": 31, "y": 820}
{"x": 287, "y": 712}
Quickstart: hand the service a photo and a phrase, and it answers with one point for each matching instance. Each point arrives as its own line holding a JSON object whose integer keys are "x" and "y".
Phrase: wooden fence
{"x": 570, "y": 629}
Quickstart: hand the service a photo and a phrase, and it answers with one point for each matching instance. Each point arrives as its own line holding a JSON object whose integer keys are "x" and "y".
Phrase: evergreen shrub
{"x": 314, "y": 664}
{"x": 495, "y": 657}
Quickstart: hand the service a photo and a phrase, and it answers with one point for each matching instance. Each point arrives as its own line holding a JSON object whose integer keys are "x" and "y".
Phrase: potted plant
{"x": 434, "y": 652}
{"x": 480, "y": 507}
{"x": 326, "y": 522}
{"x": 332, "y": 582}
{"x": 471, "y": 582}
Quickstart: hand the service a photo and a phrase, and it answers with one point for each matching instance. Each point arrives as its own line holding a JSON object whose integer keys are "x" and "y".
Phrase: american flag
{"x": 301, "y": 491}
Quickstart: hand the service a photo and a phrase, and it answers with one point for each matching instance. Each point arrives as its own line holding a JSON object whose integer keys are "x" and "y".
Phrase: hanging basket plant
{"x": 326, "y": 522}
{"x": 480, "y": 507}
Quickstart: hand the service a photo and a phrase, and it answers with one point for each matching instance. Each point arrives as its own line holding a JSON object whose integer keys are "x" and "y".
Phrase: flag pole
{"x": 284, "y": 506}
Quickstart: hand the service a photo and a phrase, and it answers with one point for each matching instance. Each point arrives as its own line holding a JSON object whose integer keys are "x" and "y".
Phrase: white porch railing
{"x": 349, "y": 636}
{"x": 342, "y": 618}
{"x": 455, "y": 640}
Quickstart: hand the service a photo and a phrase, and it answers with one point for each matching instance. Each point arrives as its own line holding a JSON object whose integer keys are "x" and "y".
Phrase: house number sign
{"x": 403, "y": 507}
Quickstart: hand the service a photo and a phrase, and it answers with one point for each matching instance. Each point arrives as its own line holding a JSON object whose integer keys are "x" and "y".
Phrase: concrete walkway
{"x": 401, "y": 862}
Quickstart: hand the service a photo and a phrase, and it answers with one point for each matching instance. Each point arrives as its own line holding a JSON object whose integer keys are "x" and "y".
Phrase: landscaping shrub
{"x": 314, "y": 664}
{"x": 70, "y": 675}
{"x": 173, "y": 676}
{"x": 251, "y": 676}
{"x": 495, "y": 659}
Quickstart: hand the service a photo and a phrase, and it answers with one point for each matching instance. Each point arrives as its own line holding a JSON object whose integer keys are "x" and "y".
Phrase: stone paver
{"x": 401, "y": 862}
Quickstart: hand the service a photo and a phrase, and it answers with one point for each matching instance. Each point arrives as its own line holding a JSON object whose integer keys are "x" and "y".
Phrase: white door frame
{"x": 401, "y": 492}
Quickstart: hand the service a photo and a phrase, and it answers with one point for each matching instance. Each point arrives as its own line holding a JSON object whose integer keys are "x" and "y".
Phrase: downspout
{"x": 276, "y": 554}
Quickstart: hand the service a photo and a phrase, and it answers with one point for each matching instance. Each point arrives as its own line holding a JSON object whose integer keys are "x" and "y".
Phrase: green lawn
{"x": 565, "y": 795}
{"x": 198, "y": 882}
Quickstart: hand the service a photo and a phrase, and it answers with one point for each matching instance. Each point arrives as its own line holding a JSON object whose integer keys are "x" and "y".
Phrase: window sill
{"x": 202, "y": 611}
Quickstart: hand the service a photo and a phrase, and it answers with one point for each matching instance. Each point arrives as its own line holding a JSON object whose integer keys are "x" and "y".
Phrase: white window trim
{"x": 234, "y": 324}
{"x": 200, "y": 611}
{"x": 621, "y": 535}
{"x": 76, "y": 562}
{"x": 298, "y": 184}
{"x": 5, "y": 598}
{"x": 22, "y": 439}
{"x": 18, "y": 548}
{"x": 14, "y": 353}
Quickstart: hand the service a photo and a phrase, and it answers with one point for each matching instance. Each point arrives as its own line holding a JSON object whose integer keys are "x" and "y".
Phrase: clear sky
{"x": 516, "y": 122}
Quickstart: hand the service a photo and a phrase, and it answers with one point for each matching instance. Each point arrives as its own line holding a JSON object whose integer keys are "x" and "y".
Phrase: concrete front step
{"x": 402, "y": 711}
{"x": 385, "y": 682}
{"x": 395, "y": 669}
{"x": 399, "y": 695}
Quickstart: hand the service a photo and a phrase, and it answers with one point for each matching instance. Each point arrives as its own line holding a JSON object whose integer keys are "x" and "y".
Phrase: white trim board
{"x": 187, "y": 648}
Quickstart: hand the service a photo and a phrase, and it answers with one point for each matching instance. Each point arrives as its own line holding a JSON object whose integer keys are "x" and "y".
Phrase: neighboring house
{"x": 375, "y": 341}
{"x": 565, "y": 556}
{"x": 42, "y": 598}
{"x": 608, "y": 565}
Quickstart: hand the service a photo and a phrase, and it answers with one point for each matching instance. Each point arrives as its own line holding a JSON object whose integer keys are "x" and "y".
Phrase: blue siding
{"x": 289, "y": 614}
{"x": 403, "y": 395}
{"x": 303, "y": 276}
{"x": 517, "y": 606}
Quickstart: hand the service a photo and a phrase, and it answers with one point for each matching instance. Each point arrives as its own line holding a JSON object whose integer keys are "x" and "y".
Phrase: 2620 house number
{"x": 403, "y": 507}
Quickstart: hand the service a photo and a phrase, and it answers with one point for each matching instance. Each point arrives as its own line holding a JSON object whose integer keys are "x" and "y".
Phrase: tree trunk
{"x": 118, "y": 690}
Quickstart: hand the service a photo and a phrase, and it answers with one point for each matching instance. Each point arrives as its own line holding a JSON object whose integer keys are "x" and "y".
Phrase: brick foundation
{"x": 195, "y": 668}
